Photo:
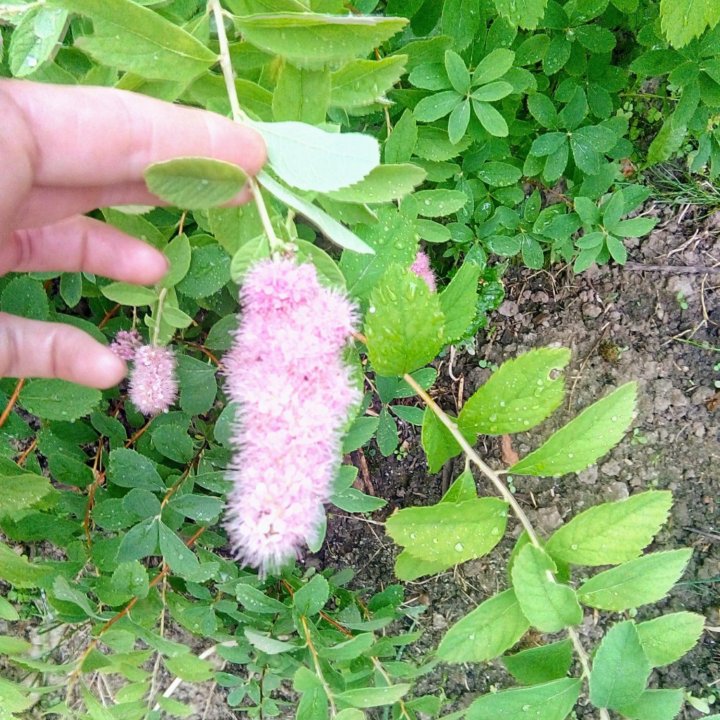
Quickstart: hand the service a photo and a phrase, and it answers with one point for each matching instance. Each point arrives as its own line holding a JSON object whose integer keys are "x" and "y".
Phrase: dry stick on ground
{"x": 672, "y": 268}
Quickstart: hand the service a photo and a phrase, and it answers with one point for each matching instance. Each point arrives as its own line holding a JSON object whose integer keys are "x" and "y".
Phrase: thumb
{"x": 30, "y": 348}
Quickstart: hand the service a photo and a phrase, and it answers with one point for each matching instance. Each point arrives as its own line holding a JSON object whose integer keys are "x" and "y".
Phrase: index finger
{"x": 102, "y": 136}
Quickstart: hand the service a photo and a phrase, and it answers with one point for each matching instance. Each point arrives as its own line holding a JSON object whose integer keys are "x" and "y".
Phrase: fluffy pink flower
{"x": 286, "y": 371}
{"x": 126, "y": 343}
{"x": 421, "y": 267}
{"x": 153, "y": 386}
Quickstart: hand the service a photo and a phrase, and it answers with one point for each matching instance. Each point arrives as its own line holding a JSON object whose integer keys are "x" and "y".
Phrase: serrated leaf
{"x": 611, "y": 533}
{"x": 683, "y": 20}
{"x": 577, "y": 445}
{"x": 139, "y": 40}
{"x": 313, "y": 40}
{"x": 461, "y": 20}
{"x": 449, "y": 533}
{"x": 668, "y": 637}
{"x": 438, "y": 443}
{"x": 519, "y": 395}
{"x": 372, "y": 696}
{"x": 53, "y": 399}
{"x": 540, "y": 664}
{"x": 363, "y": 82}
{"x": 459, "y": 302}
{"x": 549, "y": 701}
{"x": 404, "y": 324}
{"x": 129, "y": 469}
{"x": 21, "y": 491}
{"x": 335, "y": 232}
{"x": 636, "y": 582}
{"x": 195, "y": 183}
{"x": 548, "y": 605}
{"x": 656, "y": 705}
{"x": 309, "y": 158}
{"x": 34, "y": 39}
{"x": 620, "y": 668}
{"x": 523, "y": 13}
{"x": 486, "y": 632}
{"x": 383, "y": 184}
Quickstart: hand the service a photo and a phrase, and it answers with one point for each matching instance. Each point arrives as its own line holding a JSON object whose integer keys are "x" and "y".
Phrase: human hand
{"x": 63, "y": 152}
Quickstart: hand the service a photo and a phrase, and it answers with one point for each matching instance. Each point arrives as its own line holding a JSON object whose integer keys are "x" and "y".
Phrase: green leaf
{"x": 636, "y": 582}
{"x": 71, "y": 288}
{"x": 486, "y": 632}
{"x": 52, "y": 399}
{"x": 8, "y": 611}
{"x": 457, "y": 72}
{"x": 139, "y": 40}
{"x": 438, "y": 443}
{"x": 198, "y": 386}
{"x": 127, "y": 294}
{"x": 195, "y": 183}
{"x": 309, "y": 158}
{"x": 490, "y": 119}
{"x": 463, "y": 488}
{"x": 549, "y": 701}
{"x": 439, "y": 203}
{"x": 387, "y": 433}
{"x": 18, "y": 571}
{"x": 301, "y": 95}
{"x": 180, "y": 558}
{"x": 26, "y": 297}
{"x": 656, "y": 705}
{"x": 267, "y": 644}
{"x": 519, "y": 395}
{"x": 13, "y": 645}
{"x": 203, "y": 509}
{"x": 458, "y": 302}
{"x": 449, "y": 533}
{"x": 683, "y": 20}
{"x": 130, "y": 580}
{"x": 458, "y": 121}
{"x": 493, "y": 66}
{"x": 404, "y": 324}
{"x": 523, "y": 13}
{"x": 620, "y": 668}
{"x": 359, "y": 433}
{"x": 311, "y": 598}
{"x": 128, "y": 468}
{"x": 21, "y": 491}
{"x": 613, "y": 532}
{"x": 35, "y": 38}
{"x": 493, "y": 91}
{"x": 250, "y": 252}
{"x": 139, "y": 542}
{"x": 256, "y": 601}
{"x": 190, "y": 668}
{"x": 372, "y": 696}
{"x": 668, "y": 637}
{"x": 461, "y": 20}
{"x": 616, "y": 248}
{"x": 173, "y": 442}
{"x": 436, "y": 106}
{"x": 499, "y": 174}
{"x": 540, "y": 664}
{"x": 400, "y": 145}
{"x": 383, "y": 184}
{"x": 577, "y": 445}
{"x": 310, "y": 40}
{"x": 330, "y": 227}
{"x": 635, "y": 227}
{"x": 548, "y": 605}
{"x": 349, "y": 649}
{"x": 363, "y": 82}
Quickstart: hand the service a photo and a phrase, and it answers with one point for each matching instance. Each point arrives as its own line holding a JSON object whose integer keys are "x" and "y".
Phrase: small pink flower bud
{"x": 153, "y": 386}
{"x": 421, "y": 267}
{"x": 126, "y": 343}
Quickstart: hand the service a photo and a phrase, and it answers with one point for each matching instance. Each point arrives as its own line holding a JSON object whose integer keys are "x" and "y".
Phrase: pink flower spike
{"x": 421, "y": 267}
{"x": 153, "y": 386}
{"x": 126, "y": 343}
{"x": 294, "y": 391}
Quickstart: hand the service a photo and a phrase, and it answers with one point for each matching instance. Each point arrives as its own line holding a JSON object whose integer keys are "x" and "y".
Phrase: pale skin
{"x": 63, "y": 152}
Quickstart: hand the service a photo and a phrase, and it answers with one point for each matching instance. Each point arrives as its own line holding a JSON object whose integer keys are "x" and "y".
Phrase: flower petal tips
{"x": 285, "y": 370}
{"x": 153, "y": 387}
{"x": 421, "y": 267}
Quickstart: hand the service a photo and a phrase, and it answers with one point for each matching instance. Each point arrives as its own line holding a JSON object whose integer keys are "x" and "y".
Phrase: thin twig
{"x": 11, "y": 402}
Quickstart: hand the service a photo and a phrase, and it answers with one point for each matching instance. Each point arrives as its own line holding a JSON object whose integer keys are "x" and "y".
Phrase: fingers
{"x": 82, "y": 244}
{"x": 45, "y": 205}
{"x": 29, "y": 348}
{"x": 101, "y": 136}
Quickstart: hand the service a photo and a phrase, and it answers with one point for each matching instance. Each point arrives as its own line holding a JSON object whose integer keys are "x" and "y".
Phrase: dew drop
{"x": 31, "y": 61}
{"x": 459, "y": 547}
{"x": 525, "y": 708}
{"x": 573, "y": 547}
{"x": 614, "y": 418}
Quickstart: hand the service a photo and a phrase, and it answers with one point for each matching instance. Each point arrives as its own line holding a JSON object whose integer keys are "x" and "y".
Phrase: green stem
{"x": 239, "y": 115}
{"x": 494, "y": 478}
{"x": 158, "y": 315}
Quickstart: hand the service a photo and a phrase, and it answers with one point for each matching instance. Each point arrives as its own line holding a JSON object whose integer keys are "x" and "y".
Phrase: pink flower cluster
{"x": 286, "y": 372}
{"x": 421, "y": 267}
{"x": 153, "y": 387}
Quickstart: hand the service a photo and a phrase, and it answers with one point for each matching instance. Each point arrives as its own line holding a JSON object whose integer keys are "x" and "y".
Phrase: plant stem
{"x": 318, "y": 668}
{"x": 239, "y": 115}
{"x": 509, "y": 497}
{"x": 158, "y": 315}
